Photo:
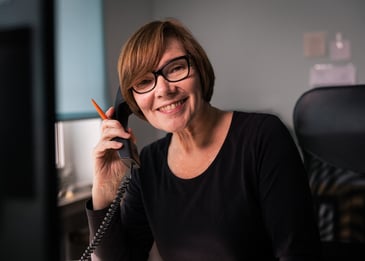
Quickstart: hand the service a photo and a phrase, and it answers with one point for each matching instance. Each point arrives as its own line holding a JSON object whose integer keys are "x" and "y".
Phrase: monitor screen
{"x": 16, "y": 105}
{"x": 28, "y": 209}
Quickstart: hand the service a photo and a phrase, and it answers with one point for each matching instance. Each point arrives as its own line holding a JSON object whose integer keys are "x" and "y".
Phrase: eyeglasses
{"x": 176, "y": 70}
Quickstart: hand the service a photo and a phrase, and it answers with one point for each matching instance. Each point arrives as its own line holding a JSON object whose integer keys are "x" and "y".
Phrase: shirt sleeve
{"x": 285, "y": 195}
{"x": 112, "y": 243}
{"x": 129, "y": 236}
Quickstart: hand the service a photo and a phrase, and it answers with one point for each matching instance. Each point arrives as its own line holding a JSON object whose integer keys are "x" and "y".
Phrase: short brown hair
{"x": 144, "y": 49}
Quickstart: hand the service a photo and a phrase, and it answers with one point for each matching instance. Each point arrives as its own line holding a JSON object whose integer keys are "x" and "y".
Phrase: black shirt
{"x": 252, "y": 203}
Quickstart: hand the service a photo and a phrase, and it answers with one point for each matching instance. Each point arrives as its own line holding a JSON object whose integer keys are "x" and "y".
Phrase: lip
{"x": 172, "y": 107}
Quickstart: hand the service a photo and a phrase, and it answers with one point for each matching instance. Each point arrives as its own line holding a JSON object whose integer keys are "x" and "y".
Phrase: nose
{"x": 163, "y": 87}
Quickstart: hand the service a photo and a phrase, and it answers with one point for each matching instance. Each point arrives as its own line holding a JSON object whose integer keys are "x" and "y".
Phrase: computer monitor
{"x": 28, "y": 195}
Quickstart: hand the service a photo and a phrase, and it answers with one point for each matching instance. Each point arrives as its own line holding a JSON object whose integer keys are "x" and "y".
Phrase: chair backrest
{"x": 329, "y": 123}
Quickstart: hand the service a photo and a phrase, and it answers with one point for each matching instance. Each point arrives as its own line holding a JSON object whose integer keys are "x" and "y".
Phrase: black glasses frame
{"x": 160, "y": 72}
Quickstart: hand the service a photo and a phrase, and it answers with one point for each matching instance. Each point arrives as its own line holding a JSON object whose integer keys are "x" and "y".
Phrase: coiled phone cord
{"x": 105, "y": 224}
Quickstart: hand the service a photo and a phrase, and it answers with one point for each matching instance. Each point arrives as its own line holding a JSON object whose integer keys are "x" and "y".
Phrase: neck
{"x": 201, "y": 131}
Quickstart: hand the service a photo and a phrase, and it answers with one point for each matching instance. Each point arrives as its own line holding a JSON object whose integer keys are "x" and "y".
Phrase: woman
{"x": 221, "y": 185}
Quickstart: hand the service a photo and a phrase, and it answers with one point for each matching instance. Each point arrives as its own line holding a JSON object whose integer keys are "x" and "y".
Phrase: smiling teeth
{"x": 170, "y": 106}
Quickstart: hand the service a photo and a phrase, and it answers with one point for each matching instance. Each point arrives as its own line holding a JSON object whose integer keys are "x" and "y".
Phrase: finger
{"x": 104, "y": 147}
{"x": 109, "y": 113}
{"x": 132, "y": 136}
{"x": 112, "y": 132}
{"x": 116, "y": 127}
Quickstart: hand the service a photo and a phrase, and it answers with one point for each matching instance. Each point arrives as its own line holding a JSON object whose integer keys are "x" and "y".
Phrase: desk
{"x": 74, "y": 229}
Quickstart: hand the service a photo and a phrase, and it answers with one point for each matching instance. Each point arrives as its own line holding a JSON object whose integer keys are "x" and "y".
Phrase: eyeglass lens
{"x": 174, "y": 71}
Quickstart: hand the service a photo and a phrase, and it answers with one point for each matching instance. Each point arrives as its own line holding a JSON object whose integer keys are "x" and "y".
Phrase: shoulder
{"x": 157, "y": 147}
{"x": 256, "y": 120}
{"x": 153, "y": 159}
{"x": 259, "y": 128}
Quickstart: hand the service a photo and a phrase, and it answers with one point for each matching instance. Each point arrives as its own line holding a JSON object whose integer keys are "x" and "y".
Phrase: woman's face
{"x": 171, "y": 106}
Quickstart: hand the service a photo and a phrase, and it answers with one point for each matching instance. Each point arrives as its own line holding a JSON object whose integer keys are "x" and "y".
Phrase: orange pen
{"x": 99, "y": 110}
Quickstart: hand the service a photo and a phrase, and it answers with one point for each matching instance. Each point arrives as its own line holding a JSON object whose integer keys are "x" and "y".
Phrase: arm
{"x": 112, "y": 246}
{"x": 285, "y": 195}
{"x": 118, "y": 242}
{"x": 129, "y": 237}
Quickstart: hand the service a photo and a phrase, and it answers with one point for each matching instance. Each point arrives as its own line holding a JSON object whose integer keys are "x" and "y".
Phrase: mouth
{"x": 172, "y": 106}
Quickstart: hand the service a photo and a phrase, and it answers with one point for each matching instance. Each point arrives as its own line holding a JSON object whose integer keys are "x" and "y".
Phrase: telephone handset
{"x": 129, "y": 155}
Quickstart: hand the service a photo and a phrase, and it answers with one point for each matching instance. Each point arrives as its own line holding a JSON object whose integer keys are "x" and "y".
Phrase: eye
{"x": 176, "y": 67}
{"x": 144, "y": 82}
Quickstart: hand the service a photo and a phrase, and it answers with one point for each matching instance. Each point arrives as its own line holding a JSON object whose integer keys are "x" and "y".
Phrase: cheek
{"x": 143, "y": 101}
{"x": 196, "y": 83}
{"x": 196, "y": 88}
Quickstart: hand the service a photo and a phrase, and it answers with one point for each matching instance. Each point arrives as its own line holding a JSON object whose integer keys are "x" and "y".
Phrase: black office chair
{"x": 329, "y": 123}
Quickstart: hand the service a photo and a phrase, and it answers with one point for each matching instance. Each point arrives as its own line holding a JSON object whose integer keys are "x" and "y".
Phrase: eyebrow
{"x": 168, "y": 61}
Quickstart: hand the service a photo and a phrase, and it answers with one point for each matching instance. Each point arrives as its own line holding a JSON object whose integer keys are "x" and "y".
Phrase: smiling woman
{"x": 221, "y": 185}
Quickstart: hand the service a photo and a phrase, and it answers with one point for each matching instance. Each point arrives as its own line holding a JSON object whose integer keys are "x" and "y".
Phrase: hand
{"x": 108, "y": 167}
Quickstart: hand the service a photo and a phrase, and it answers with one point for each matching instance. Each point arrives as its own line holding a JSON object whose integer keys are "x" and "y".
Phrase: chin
{"x": 172, "y": 128}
